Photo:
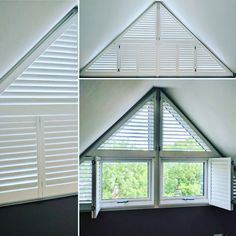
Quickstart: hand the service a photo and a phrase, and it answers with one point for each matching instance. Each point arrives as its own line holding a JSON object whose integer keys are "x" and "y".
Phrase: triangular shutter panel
{"x": 136, "y": 133}
{"x": 220, "y": 186}
{"x": 177, "y": 135}
{"x": 52, "y": 77}
{"x": 156, "y": 44}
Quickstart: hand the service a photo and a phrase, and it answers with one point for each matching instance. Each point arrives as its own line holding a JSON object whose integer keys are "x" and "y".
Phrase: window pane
{"x": 124, "y": 180}
{"x": 181, "y": 179}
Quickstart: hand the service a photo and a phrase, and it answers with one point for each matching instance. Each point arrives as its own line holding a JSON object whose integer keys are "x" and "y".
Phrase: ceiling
{"x": 23, "y": 23}
{"x": 212, "y": 21}
{"x": 210, "y": 105}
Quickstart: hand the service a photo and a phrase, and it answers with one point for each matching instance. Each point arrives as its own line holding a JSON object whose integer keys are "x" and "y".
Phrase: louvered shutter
{"x": 234, "y": 188}
{"x": 220, "y": 186}
{"x": 52, "y": 77}
{"x": 177, "y": 135}
{"x": 137, "y": 133}
{"x": 156, "y": 44}
{"x": 85, "y": 182}
{"x": 60, "y": 142}
{"x": 18, "y": 159}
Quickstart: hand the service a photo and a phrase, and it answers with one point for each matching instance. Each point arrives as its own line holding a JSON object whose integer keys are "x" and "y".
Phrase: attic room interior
{"x": 157, "y": 118}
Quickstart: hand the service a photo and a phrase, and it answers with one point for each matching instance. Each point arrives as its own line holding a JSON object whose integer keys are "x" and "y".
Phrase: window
{"x": 126, "y": 182}
{"x": 156, "y": 44}
{"x": 177, "y": 167}
{"x": 39, "y": 128}
{"x": 183, "y": 180}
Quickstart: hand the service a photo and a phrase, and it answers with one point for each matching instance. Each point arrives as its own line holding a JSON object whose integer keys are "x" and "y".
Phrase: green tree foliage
{"x": 189, "y": 144}
{"x": 125, "y": 180}
{"x": 183, "y": 179}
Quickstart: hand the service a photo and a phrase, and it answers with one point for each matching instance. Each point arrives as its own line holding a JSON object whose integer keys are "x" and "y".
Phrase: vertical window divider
{"x": 158, "y": 35}
{"x": 157, "y": 139}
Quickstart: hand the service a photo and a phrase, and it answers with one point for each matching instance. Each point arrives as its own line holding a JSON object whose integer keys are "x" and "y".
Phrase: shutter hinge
{"x": 195, "y": 70}
{"x": 93, "y": 162}
{"x": 195, "y": 47}
{"x": 159, "y": 148}
{"x": 119, "y": 46}
{"x": 93, "y": 208}
{"x": 118, "y": 69}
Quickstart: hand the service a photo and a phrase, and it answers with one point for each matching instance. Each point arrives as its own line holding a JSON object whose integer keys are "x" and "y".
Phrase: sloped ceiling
{"x": 24, "y": 23}
{"x": 212, "y": 21}
{"x": 209, "y": 104}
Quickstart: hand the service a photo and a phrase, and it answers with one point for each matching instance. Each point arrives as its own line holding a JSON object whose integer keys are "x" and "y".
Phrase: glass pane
{"x": 124, "y": 180}
{"x": 181, "y": 179}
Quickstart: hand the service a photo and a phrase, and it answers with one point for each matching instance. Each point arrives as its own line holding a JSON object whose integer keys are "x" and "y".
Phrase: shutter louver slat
{"x": 135, "y": 134}
{"x": 177, "y": 134}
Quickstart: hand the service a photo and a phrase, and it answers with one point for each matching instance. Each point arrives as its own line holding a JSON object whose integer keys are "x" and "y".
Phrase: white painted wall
{"x": 23, "y": 23}
{"x": 213, "y": 21}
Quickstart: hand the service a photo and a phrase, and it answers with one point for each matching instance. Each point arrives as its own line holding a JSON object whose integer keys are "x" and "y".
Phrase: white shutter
{"x": 52, "y": 77}
{"x": 234, "y": 188}
{"x": 96, "y": 187}
{"x": 177, "y": 135}
{"x": 220, "y": 183}
{"x": 18, "y": 159}
{"x": 137, "y": 133}
{"x": 156, "y": 44}
{"x": 85, "y": 182}
{"x": 60, "y": 144}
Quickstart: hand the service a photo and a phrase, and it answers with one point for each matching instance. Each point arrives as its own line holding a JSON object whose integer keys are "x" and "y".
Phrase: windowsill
{"x": 182, "y": 203}
{"x": 128, "y": 205}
